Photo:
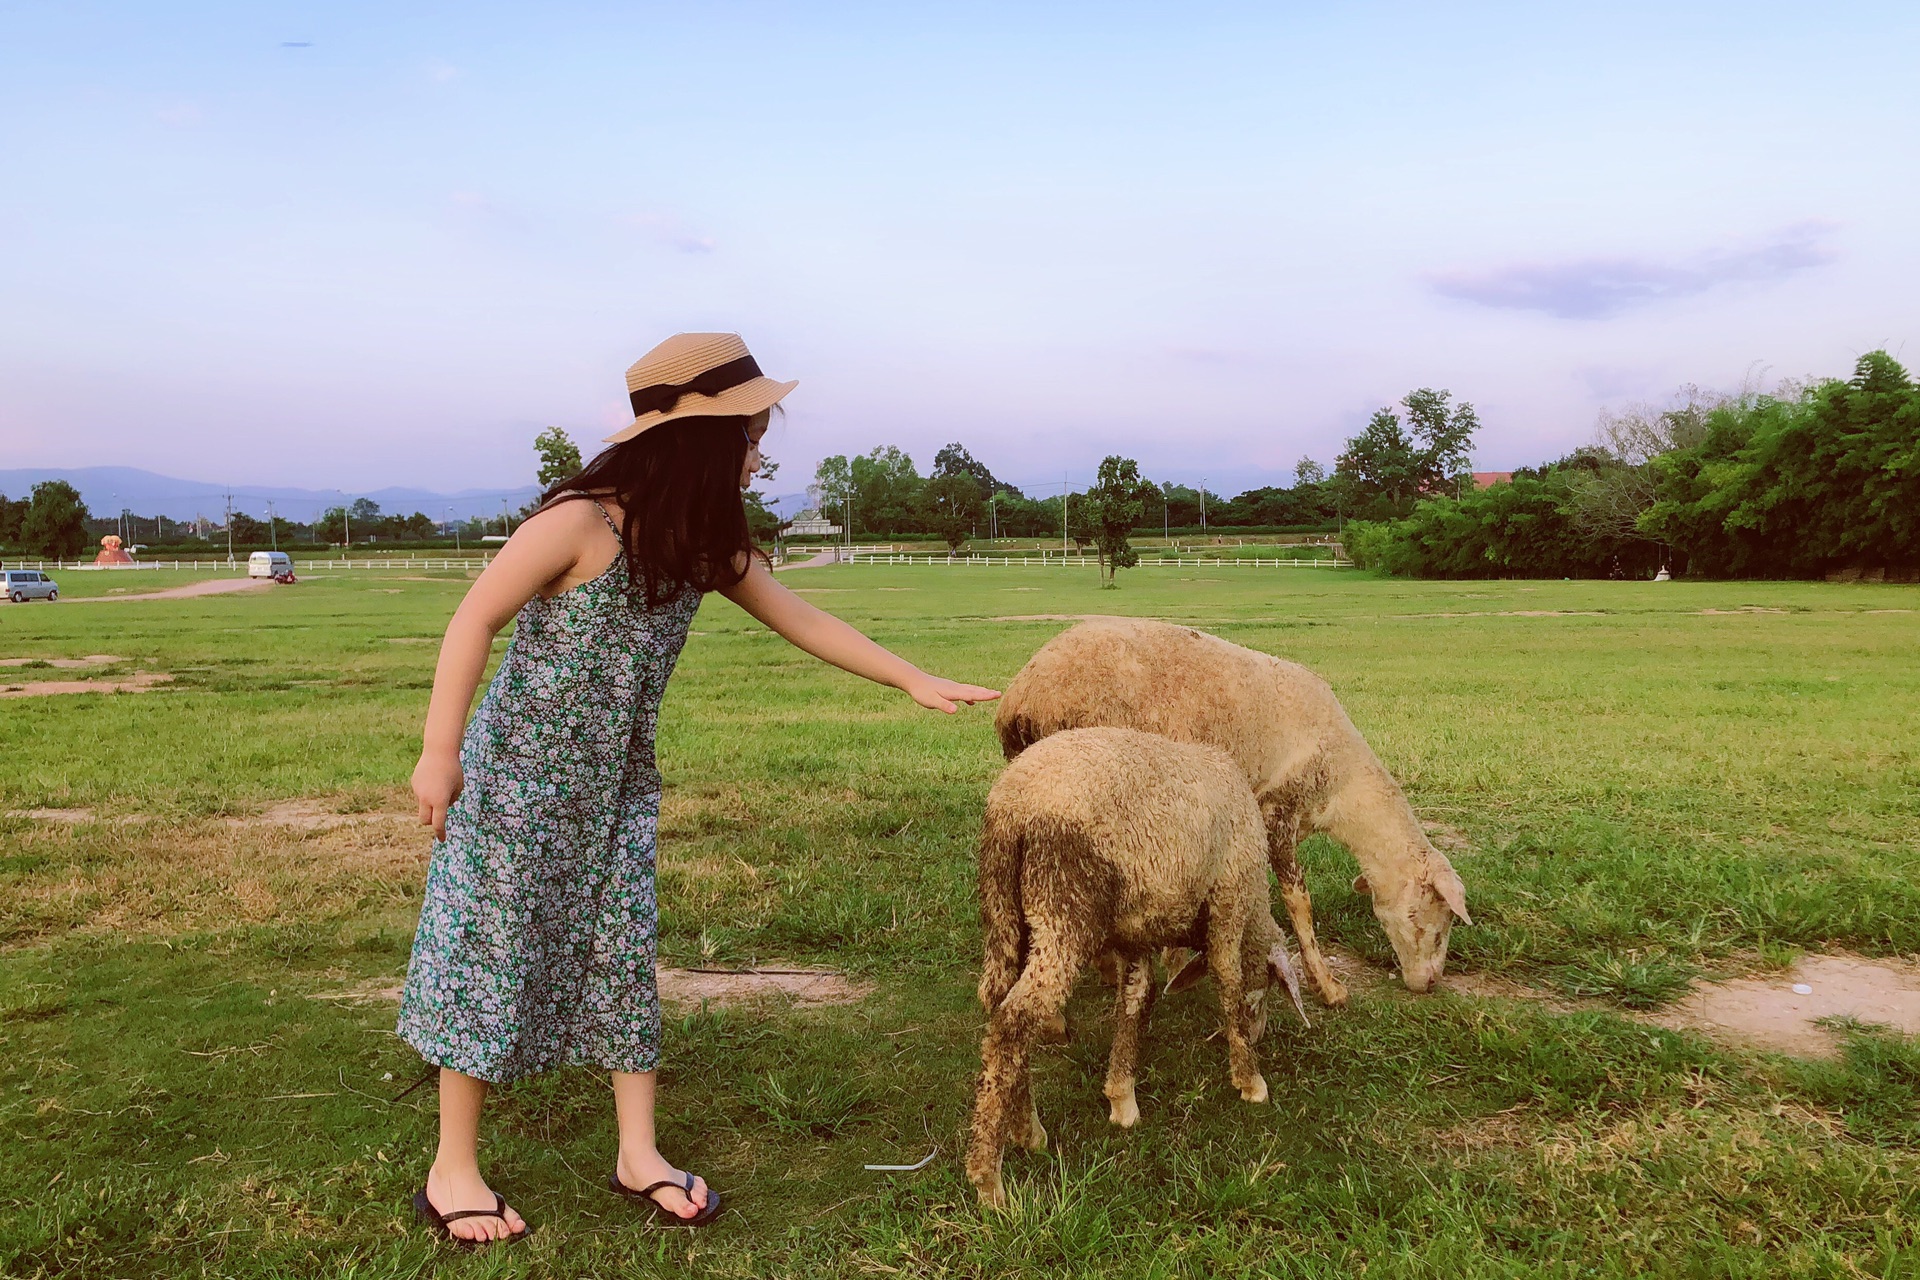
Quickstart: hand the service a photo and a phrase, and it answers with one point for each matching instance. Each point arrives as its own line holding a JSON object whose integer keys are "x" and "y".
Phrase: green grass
{"x": 1645, "y": 790}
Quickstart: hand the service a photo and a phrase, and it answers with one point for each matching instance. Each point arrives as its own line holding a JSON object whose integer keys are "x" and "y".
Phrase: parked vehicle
{"x": 22, "y": 585}
{"x": 269, "y": 564}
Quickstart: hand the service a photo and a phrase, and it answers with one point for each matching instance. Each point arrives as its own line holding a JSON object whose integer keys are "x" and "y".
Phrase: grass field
{"x": 1647, "y": 784}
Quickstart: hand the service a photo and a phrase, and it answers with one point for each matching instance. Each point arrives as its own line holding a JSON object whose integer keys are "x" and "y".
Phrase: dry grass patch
{"x": 156, "y": 879}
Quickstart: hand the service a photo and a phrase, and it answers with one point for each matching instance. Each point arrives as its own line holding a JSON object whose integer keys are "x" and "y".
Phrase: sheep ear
{"x": 1189, "y": 975}
{"x": 1282, "y": 965}
{"x": 1360, "y": 885}
{"x": 1446, "y": 882}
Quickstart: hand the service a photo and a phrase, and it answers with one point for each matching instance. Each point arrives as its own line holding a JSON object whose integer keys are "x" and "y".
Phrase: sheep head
{"x": 1417, "y": 912}
{"x": 1265, "y": 960}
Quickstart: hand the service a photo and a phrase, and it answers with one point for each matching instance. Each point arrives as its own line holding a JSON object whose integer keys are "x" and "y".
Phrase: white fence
{"x": 301, "y": 564}
{"x": 1145, "y": 561}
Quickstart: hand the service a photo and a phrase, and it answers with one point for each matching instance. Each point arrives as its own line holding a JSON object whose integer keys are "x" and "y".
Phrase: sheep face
{"x": 1418, "y": 914}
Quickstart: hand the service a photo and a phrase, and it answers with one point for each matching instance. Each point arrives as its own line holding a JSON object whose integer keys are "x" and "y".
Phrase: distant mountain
{"x": 106, "y": 490}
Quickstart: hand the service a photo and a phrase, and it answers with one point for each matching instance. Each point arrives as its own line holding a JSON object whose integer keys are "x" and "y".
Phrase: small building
{"x": 1488, "y": 479}
{"x": 809, "y": 524}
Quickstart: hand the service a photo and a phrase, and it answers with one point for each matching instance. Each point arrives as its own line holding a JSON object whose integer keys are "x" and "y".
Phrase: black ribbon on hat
{"x": 662, "y": 396}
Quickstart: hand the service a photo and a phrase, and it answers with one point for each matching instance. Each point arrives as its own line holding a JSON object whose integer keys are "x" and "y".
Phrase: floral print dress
{"x": 537, "y": 934}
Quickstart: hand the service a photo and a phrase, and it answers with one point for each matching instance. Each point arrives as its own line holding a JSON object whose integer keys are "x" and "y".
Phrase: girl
{"x": 536, "y": 941}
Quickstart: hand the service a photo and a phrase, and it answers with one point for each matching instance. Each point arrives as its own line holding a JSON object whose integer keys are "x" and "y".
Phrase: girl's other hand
{"x": 437, "y": 782}
{"x": 936, "y": 694}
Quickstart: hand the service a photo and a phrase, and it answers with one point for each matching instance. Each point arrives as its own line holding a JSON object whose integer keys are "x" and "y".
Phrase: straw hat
{"x": 697, "y": 375}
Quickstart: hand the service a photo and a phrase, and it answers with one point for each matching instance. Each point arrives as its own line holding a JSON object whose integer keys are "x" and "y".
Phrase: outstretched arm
{"x": 831, "y": 640}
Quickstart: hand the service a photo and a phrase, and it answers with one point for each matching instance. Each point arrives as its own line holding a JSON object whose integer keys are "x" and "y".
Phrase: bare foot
{"x": 453, "y": 1192}
{"x": 644, "y": 1168}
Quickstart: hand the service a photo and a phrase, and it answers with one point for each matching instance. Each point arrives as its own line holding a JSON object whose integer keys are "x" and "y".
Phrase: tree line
{"x": 1808, "y": 480}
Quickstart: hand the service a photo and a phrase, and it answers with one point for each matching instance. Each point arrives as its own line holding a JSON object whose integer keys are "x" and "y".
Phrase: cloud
{"x": 1595, "y": 288}
{"x": 441, "y": 73}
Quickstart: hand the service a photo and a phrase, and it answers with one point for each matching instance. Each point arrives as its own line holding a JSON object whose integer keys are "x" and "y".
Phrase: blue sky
{"x": 356, "y": 245}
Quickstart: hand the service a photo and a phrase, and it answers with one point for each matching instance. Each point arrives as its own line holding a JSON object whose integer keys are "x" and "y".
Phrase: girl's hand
{"x": 437, "y": 783}
{"x": 936, "y": 694}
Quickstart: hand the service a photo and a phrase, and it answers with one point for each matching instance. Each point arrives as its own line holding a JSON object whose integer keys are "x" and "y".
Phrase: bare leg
{"x": 641, "y": 1164}
{"x": 454, "y": 1183}
{"x": 1130, "y": 1007}
{"x": 1283, "y": 837}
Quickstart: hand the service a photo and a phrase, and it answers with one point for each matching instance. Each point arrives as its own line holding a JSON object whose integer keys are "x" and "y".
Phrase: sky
{"x": 356, "y": 245}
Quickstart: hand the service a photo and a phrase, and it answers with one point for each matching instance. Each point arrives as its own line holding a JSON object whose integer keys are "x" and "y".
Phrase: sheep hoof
{"x": 1035, "y": 1138}
{"x": 993, "y": 1195}
{"x": 1124, "y": 1110}
{"x": 1257, "y": 1091}
{"x": 1333, "y": 995}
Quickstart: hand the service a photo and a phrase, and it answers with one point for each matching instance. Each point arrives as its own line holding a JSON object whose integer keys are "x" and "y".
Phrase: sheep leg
{"x": 1225, "y": 931}
{"x": 1131, "y": 1003}
{"x": 1003, "y": 1108}
{"x": 1283, "y": 838}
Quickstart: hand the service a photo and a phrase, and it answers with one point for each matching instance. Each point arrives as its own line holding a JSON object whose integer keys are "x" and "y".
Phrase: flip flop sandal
{"x": 666, "y": 1215}
{"x": 438, "y": 1221}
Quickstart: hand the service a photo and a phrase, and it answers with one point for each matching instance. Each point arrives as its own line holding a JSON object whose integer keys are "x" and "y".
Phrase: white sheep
{"x": 1103, "y": 841}
{"x": 1308, "y": 765}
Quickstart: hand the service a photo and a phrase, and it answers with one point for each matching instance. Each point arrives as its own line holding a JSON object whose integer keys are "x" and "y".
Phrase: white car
{"x": 22, "y": 585}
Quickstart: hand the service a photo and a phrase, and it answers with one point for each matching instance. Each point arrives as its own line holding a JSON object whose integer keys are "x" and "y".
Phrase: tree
{"x": 365, "y": 509}
{"x": 1620, "y": 486}
{"x": 55, "y": 523}
{"x": 1388, "y": 467}
{"x": 559, "y": 457}
{"x": 832, "y": 489}
{"x": 1112, "y": 509}
{"x": 12, "y": 514}
{"x": 762, "y": 523}
{"x": 955, "y": 460}
{"x": 246, "y": 529}
{"x": 1307, "y": 471}
{"x": 331, "y": 525}
{"x": 953, "y": 506}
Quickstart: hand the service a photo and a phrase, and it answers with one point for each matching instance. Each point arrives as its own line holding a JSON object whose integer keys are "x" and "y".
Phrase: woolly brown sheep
{"x": 1309, "y": 766}
{"x": 1108, "y": 840}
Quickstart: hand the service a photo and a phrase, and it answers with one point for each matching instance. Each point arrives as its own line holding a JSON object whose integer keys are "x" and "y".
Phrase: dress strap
{"x": 604, "y": 516}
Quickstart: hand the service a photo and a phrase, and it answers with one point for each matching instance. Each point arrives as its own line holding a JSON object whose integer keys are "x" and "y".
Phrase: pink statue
{"x": 111, "y": 552}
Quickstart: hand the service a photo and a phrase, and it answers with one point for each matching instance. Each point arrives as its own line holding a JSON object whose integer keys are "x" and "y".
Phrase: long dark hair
{"x": 678, "y": 485}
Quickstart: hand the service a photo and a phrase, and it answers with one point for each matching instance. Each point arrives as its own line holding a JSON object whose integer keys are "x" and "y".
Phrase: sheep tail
{"x": 1002, "y": 919}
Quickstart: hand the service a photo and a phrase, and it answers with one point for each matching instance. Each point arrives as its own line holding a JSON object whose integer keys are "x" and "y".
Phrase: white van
{"x": 269, "y": 564}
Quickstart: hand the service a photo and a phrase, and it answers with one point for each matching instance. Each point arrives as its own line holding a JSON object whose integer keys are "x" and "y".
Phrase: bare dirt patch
{"x": 73, "y": 816}
{"x": 1734, "y": 613}
{"x": 64, "y": 664}
{"x": 1760, "y": 1013}
{"x": 799, "y": 987}
{"x": 139, "y": 682}
{"x": 1769, "y": 1013}
{"x": 313, "y": 815}
{"x": 1057, "y": 617}
{"x": 1447, "y": 838}
{"x": 1512, "y": 613}
{"x": 209, "y": 587}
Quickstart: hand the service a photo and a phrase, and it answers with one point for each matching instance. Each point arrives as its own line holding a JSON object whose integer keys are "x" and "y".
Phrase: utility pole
{"x": 504, "y": 526}
{"x": 456, "y": 531}
{"x": 346, "y": 519}
{"x": 229, "y": 527}
{"x": 273, "y": 534}
{"x": 1203, "y": 506}
{"x": 1066, "y": 487}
